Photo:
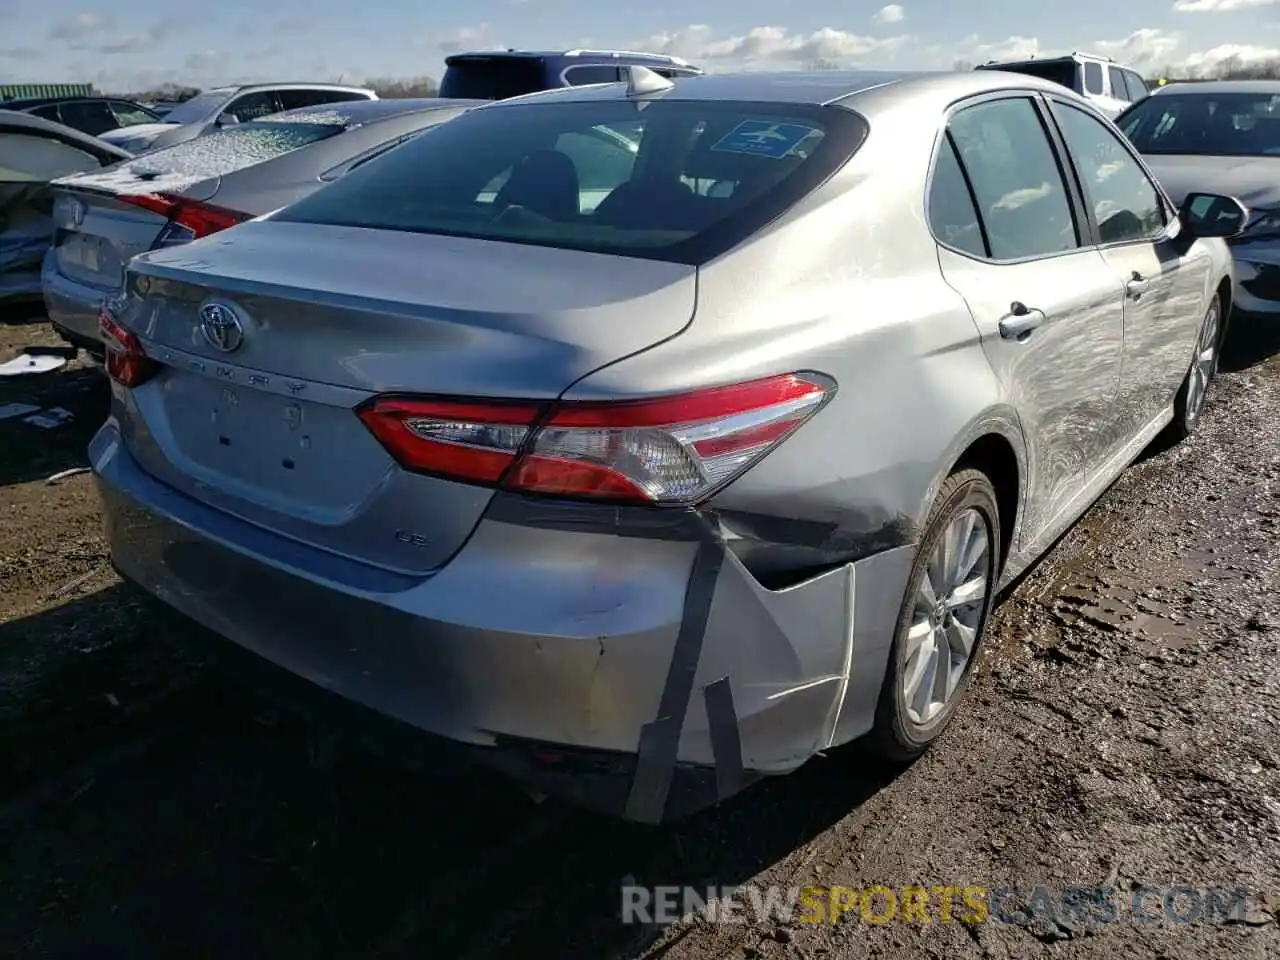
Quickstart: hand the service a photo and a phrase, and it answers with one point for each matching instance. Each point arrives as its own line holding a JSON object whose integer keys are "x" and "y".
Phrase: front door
{"x": 1164, "y": 280}
{"x": 1048, "y": 307}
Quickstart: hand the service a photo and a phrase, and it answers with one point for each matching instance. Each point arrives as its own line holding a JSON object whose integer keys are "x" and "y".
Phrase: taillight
{"x": 196, "y": 218}
{"x": 127, "y": 363}
{"x": 667, "y": 450}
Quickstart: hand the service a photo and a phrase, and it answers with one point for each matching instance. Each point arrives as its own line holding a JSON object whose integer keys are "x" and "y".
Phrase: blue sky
{"x": 132, "y": 44}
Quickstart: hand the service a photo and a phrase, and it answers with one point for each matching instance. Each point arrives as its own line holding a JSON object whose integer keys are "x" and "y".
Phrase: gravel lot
{"x": 1121, "y": 733}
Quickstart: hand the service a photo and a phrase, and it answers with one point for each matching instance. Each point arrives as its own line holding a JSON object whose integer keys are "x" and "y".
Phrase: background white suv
{"x": 1110, "y": 86}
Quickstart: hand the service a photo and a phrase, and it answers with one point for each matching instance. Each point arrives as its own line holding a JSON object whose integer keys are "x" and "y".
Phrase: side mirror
{"x": 227, "y": 120}
{"x": 1212, "y": 215}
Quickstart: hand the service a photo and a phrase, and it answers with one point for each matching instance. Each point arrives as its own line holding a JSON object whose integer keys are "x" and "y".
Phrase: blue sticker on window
{"x": 763, "y": 138}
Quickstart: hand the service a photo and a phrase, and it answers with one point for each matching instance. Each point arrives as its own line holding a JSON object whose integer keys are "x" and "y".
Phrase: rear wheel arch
{"x": 994, "y": 447}
{"x": 993, "y": 455}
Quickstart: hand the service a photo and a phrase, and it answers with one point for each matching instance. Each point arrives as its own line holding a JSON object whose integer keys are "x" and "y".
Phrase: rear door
{"x": 1046, "y": 304}
{"x": 1163, "y": 279}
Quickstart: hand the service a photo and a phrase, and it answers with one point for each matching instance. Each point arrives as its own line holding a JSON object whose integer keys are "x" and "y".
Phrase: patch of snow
{"x": 173, "y": 169}
{"x": 322, "y": 117}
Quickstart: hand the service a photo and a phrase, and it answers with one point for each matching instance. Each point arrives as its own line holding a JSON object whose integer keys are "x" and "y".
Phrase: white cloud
{"x": 1220, "y": 6}
{"x": 1206, "y": 63}
{"x": 207, "y": 61}
{"x": 80, "y": 25}
{"x": 893, "y": 13}
{"x": 770, "y": 44}
{"x": 1147, "y": 47}
{"x": 477, "y": 37}
{"x": 973, "y": 50}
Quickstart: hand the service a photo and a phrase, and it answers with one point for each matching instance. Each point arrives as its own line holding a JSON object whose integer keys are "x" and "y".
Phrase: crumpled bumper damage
{"x": 625, "y": 660}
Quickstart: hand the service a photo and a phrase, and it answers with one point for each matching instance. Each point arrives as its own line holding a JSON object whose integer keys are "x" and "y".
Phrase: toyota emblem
{"x": 221, "y": 327}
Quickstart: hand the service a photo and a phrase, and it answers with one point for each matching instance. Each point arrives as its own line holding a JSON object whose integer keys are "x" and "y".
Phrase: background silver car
{"x": 645, "y": 497}
{"x": 224, "y": 106}
{"x": 1222, "y": 137}
{"x": 172, "y": 196}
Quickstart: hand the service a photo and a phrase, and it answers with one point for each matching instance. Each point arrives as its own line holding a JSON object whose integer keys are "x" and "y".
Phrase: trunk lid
{"x": 330, "y": 316}
{"x": 97, "y": 233}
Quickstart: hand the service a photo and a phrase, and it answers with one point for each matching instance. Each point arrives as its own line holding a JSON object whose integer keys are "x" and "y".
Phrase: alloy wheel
{"x": 1204, "y": 365}
{"x": 947, "y": 614}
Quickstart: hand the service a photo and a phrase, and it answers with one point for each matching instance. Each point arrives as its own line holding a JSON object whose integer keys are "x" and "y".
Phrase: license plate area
{"x": 280, "y": 451}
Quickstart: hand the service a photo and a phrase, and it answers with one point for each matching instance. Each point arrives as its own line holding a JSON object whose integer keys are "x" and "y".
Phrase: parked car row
{"x": 637, "y": 439}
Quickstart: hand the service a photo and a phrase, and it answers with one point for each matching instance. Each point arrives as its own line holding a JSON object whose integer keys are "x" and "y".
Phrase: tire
{"x": 1188, "y": 404}
{"x": 906, "y": 724}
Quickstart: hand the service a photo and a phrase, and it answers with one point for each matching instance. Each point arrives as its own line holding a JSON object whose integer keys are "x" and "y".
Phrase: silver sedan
{"x": 643, "y": 466}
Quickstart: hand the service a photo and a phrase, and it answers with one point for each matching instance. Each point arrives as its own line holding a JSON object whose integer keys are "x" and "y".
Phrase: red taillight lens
{"x": 670, "y": 450}
{"x": 475, "y": 442}
{"x": 127, "y": 363}
{"x": 197, "y": 219}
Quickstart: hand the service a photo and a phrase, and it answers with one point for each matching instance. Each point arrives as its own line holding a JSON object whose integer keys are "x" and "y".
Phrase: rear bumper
{"x": 72, "y": 307}
{"x": 659, "y": 670}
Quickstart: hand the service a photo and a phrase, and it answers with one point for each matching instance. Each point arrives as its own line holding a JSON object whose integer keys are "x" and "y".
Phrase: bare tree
{"x": 392, "y": 88}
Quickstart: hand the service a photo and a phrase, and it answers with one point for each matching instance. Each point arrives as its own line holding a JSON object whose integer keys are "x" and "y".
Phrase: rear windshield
{"x": 492, "y": 78}
{"x": 1219, "y": 125}
{"x": 199, "y": 106}
{"x": 680, "y": 180}
{"x": 1060, "y": 71}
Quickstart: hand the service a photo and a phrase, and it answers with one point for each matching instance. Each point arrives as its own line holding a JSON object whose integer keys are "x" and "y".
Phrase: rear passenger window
{"x": 1093, "y": 78}
{"x": 1137, "y": 86}
{"x": 88, "y": 116}
{"x": 952, "y": 216}
{"x": 581, "y": 76}
{"x": 27, "y": 159}
{"x": 253, "y": 105}
{"x": 1022, "y": 199}
{"x": 1118, "y": 88}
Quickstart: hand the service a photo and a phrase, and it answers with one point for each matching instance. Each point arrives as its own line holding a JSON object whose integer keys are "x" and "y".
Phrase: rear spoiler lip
{"x": 115, "y": 193}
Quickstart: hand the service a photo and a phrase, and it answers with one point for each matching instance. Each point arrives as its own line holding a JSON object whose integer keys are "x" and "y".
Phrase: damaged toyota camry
{"x": 645, "y": 439}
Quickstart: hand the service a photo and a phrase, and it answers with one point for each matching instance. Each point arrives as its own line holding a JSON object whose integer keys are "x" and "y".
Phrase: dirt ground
{"x": 1121, "y": 733}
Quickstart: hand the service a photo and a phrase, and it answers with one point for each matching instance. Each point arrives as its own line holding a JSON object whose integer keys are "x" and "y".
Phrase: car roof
{"x": 353, "y": 112}
{"x": 819, "y": 88}
{"x": 16, "y": 120}
{"x": 26, "y": 103}
{"x": 1073, "y": 57}
{"x": 291, "y": 85}
{"x": 577, "y": 53}
{"x": 1219, "y": 86}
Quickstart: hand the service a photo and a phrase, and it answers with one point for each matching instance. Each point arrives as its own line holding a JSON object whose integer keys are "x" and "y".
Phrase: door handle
{"x": 1018, "y": 323}
{"x": 1136, "y": 285}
